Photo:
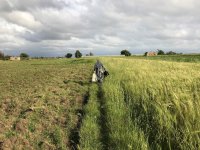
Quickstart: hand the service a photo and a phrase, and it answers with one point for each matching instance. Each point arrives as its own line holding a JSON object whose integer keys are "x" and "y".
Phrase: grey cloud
{"x": 45, "y": 35}
{"x": 25, "y": 5}
{"x": 53, "y": 26}
{"x": 4, "y": 6}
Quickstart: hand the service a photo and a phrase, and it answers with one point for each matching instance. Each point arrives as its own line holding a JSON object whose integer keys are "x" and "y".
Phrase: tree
{"x": 78, "y": 54}
{"x": 145, "y": 54}
{"x": 91, "y": 54}
{"x": 7, "y": 57}
{"x": 171, "y": 53}
{"x": 24, "y": 56}
{"x": 1, "y": 55}
{"x": 125, "y": 52}
{"x": 68, "y": 55}
{"x": 161, "y": 52}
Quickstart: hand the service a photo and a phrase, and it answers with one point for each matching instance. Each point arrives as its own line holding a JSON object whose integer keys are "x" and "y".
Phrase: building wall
{"x": 15, "y": 58}
{"x": 151, "y": 54}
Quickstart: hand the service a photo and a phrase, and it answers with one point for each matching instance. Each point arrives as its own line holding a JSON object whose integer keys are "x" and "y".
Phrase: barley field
{"x": 147, "y": 104}
{"x": 176, "y": 58}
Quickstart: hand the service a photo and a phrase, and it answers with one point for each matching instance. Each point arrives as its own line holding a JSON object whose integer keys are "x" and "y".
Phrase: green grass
{"x": 90, "y": 133}
{"x": 178, "y": 58}
{"x": 39, "y": 100}
{"x": 152, "y": 104}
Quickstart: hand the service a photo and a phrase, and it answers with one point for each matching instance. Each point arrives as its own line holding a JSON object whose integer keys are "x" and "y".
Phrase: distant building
{"x": 151, "y": 54}
{"x": 15, "y": 58}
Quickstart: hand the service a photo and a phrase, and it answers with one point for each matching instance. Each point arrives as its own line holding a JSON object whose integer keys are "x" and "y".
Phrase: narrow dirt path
{"x": 74, "y": 137}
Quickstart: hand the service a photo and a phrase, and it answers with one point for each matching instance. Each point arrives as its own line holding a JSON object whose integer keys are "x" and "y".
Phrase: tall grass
{"x": 152, "y": 104}
{"x": 90, "y": 136}
{"x": 177, "y": 58}
{"x": 123, "y": 133}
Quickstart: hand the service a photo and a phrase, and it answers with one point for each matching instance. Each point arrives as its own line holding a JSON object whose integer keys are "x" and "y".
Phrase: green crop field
{"x": 142, "y": 104}
{"x": 177, "y": 58}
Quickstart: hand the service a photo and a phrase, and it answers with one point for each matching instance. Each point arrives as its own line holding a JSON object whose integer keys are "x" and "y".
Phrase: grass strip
{"x": 90, "y": 129}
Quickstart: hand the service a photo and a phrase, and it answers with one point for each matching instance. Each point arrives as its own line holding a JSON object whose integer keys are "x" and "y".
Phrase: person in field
{"x": 100, "y": 71}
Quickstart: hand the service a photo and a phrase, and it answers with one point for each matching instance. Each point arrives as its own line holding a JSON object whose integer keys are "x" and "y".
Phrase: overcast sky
{"x": 55, "y": 27}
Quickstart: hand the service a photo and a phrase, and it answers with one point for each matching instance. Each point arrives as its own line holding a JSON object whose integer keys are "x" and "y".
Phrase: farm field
{"x": 40, "y": 100}
{"x": 142, "y": 104}
{"x": 177, "y": 58}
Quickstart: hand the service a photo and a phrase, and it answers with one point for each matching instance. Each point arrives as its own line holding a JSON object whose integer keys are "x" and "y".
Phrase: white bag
{"x": 94, "y": 77}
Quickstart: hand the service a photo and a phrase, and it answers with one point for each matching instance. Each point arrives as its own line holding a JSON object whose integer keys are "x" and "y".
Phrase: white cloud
{"x": 24, "y": 19}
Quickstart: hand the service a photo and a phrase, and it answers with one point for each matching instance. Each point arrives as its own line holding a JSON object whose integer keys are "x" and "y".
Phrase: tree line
{"x": 78, "y": 54}
{"x": 7, "y": 57}
{"x": 161, "y": 52}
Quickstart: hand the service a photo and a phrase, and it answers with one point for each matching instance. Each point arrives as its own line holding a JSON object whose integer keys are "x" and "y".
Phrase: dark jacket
{"x": 99, "y": 70}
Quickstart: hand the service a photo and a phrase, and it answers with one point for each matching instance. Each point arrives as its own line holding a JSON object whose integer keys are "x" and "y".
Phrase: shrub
{"x": 171, "y": 53}
{"x": 24, "y": 56}
{"x": 68, "y": 55}
{"x": 160, "y": 52}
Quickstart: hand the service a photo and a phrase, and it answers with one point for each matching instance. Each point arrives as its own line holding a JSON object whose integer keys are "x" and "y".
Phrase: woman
{"x": 100, "y": 71}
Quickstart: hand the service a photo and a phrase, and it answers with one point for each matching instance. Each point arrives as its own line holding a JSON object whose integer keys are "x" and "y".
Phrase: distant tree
{"x": 160, "y": 52}
{"x": 7, "y": 57}
{"x": 78, "y": 54}
{"x": 125, "y": 52}
{"x": 68, "y": 55}
{"x": 171, "y": 53}
{"x": 24, "y": 56}
{"x": 91, "y": 54}
{"x": 1, "y": 55}
{"x": 145, "y": 54}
